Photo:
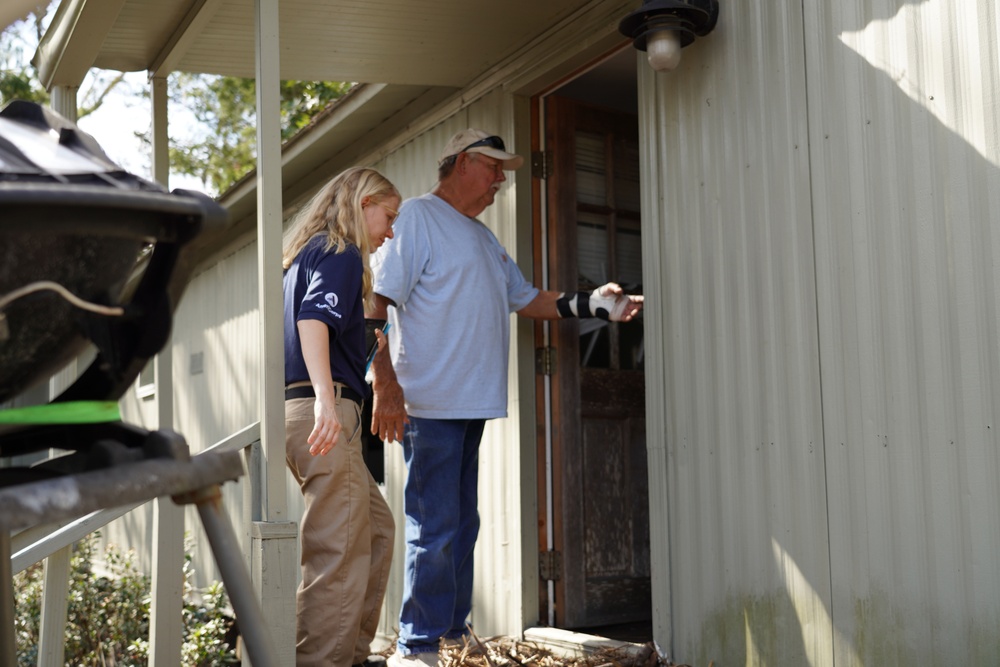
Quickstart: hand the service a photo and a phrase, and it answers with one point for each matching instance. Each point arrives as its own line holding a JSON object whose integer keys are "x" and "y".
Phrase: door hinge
{"x": 541, "y": 164}
{"x": 550, "y": 565}
{"x": 545, "y": 361}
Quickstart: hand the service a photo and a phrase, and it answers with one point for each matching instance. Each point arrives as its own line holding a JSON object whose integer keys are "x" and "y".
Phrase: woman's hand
{"x": 326, "y": 430}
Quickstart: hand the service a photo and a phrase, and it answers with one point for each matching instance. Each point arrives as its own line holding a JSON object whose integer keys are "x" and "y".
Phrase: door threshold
{"x": 569, "y": 644}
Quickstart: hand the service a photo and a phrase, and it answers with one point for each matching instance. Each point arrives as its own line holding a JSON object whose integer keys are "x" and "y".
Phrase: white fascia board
{"x": 70, "y": 46}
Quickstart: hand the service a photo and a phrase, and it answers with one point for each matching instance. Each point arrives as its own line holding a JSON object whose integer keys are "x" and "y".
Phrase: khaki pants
{"x": 346, "y": 541}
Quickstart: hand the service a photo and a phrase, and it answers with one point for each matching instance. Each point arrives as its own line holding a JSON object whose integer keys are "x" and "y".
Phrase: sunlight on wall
{"x": 936, "y": 56}
{"x": 809, "y": 609}
{"x": 753, "y": 655}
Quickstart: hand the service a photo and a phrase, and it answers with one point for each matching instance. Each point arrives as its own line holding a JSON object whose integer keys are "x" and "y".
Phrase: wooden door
{"x": 600, "y": 496}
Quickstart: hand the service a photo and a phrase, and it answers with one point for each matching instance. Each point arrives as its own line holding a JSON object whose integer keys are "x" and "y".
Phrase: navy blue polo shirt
{"x": 326, "y": 286}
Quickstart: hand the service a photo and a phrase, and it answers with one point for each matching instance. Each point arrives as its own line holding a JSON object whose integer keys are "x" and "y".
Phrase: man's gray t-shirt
{"x": 454, "y": 287}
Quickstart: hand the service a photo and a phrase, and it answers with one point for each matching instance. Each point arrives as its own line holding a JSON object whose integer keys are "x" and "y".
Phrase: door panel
{"x": 601, "y": 506}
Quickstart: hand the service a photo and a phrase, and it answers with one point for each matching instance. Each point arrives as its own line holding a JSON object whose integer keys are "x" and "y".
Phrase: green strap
{"x": 70, "y": 412}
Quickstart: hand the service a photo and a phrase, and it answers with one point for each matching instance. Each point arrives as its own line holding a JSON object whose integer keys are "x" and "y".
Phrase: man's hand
{"x": 388, "y": 407}
{"x": 388, "y": 410}
{"x": 615, "y": 304}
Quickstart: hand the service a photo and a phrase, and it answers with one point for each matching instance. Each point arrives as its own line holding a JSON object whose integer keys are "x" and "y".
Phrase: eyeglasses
{"x": 493, "y": 142}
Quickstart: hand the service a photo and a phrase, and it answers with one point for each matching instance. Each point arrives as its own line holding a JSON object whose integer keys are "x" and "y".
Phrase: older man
{"x": 453, "y": 287}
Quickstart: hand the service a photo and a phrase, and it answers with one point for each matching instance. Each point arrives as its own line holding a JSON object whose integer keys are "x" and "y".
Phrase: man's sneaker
{"x": 397, "y": 659}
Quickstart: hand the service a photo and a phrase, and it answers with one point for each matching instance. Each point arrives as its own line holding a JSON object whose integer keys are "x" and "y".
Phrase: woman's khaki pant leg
{"x": 335, "y": 536}
{"x": 382, "y": 535}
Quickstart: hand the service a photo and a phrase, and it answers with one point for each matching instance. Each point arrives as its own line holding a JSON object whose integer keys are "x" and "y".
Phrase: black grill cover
{"x": 70, "y": 215}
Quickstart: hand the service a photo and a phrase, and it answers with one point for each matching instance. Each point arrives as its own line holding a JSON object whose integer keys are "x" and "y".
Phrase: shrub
{"x": 107, "y": 621}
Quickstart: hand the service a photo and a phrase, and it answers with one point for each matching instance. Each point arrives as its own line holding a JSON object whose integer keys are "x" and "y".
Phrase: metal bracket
{"x": 545, "y": 361}
{"x": 541, "y": 164}
{"x": 550, "y": 565}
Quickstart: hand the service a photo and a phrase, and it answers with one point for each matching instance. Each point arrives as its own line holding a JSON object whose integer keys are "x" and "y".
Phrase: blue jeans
{"x": 442, "y": 522}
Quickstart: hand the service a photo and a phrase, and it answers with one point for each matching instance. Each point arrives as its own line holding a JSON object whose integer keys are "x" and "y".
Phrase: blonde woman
{"x": 347, "y": 528}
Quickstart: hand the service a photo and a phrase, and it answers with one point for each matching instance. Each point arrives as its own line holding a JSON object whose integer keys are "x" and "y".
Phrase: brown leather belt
{"x": 307, "y": 391}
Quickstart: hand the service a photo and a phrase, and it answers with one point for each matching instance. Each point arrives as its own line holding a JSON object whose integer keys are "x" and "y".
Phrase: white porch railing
{"x": 53, "y": 542}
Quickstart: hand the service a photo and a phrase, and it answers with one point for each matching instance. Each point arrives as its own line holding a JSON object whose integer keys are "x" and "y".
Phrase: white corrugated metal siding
{"x": 732, "y": 345}
{"x": 821, "y": 189}
{"x": 904, "y": 100}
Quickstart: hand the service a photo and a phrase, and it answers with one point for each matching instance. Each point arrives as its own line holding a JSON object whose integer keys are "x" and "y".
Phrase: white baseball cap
{"x": 478, "y": 141}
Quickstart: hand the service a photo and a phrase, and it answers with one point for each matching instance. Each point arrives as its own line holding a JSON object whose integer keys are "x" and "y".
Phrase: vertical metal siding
{"x": 820, "y": 197}
{"x": 217, "y": 323}
{"x": 732, "y": 344}
{"x": 904, "y": 100}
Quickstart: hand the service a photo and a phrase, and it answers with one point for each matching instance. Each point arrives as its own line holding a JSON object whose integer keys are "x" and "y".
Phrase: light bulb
{"x": 663, "y": 50}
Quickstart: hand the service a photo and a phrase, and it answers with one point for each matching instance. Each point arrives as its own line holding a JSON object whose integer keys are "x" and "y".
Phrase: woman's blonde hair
{"x": 336, "y": 211}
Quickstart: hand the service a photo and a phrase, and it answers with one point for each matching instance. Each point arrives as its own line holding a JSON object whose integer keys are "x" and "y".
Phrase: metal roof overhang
{"x": 431, "y": 42}
{"x": 419, "y": 53}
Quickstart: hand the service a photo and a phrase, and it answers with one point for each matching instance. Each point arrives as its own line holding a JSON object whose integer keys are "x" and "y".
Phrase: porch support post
{"x": 55, "y": 604}
{"x": 63, "y": 101}
{"x": 8, "y": 657}
{"x": 273, "y": 556}
{"x": 55, "y": 591}
{"x": 166, "y": 622}
{"x": 161, "y": 158}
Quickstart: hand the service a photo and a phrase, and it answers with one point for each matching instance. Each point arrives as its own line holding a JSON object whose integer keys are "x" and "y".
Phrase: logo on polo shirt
{"x": 332, "y": 300}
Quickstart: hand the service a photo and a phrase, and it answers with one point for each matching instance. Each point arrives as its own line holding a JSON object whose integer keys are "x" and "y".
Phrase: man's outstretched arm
{"x": 607, "y": 302}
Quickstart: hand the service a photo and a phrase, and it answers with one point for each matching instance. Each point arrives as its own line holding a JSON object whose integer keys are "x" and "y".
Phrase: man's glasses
{"x": 493, "y": 142}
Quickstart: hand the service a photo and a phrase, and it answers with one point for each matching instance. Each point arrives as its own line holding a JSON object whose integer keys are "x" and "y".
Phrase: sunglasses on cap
{"x": 493, "y": 142}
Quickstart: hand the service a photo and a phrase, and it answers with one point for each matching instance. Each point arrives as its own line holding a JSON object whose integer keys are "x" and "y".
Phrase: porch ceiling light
{"x": 662, "y": 28}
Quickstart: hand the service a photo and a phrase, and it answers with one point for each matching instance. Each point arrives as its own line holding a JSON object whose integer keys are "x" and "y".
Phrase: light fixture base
{"x": 690, "y": 18}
